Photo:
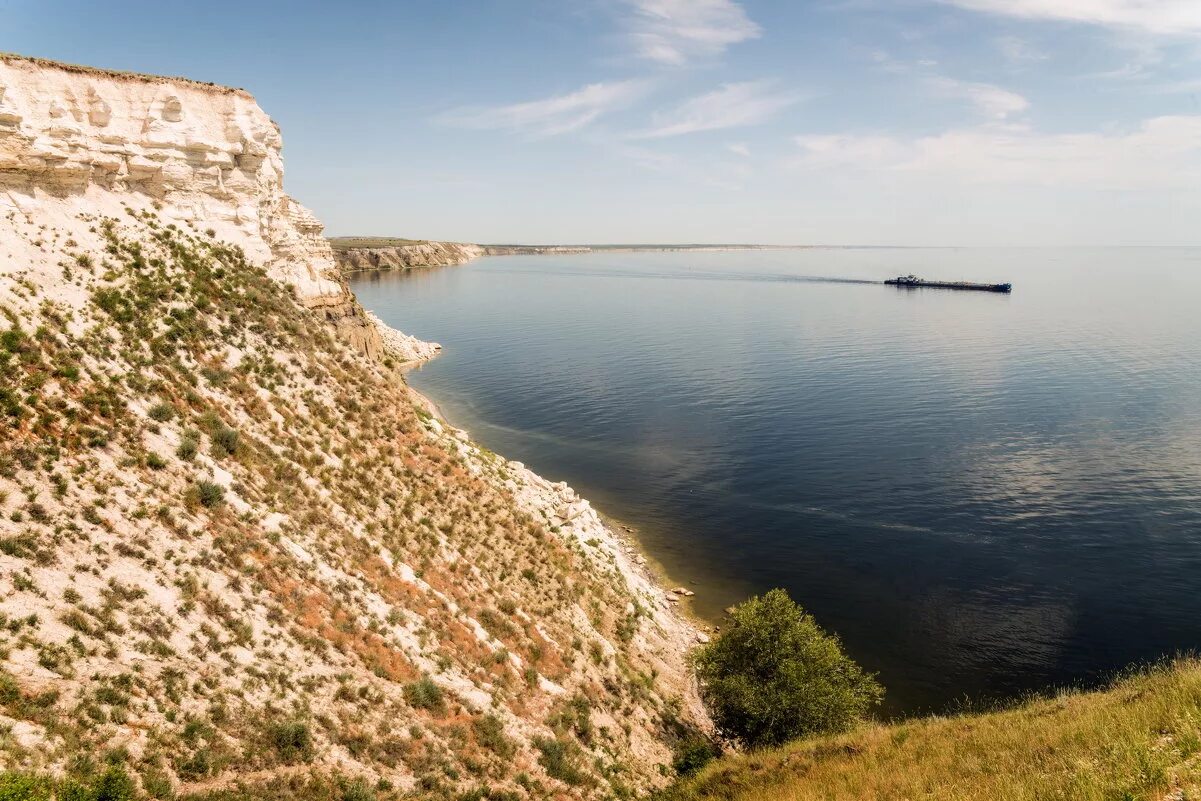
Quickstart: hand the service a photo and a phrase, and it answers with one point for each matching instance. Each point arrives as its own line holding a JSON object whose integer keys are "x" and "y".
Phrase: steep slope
{"x": 356, "y": 253}
{"x": 234, "y": 548}
{"x": 1139, "y": 739}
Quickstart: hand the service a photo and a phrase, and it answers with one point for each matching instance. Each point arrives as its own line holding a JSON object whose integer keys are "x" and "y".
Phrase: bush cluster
{"x": 774, "y": 675}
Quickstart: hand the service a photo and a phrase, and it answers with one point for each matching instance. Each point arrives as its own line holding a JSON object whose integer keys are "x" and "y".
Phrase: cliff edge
{"x": 238, "y": 557}
{"x": 79, "y": 140}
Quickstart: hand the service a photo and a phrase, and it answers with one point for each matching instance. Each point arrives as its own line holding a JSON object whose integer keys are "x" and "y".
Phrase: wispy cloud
{"x": 991, "y": 101}
{"x": 678, "y": 31}
{"x": 739, "y": 149}
{"x": 848, "y": 150}
{"x": 1018, "y": 51}
{"x": 1157, "y": 16}
{"x": 552, "y": 115}
{"x": 1162, "y": 152}
{"x": 732, "y": 105}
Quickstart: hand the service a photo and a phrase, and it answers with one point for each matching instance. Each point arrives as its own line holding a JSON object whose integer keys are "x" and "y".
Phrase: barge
{"x": 913, "y": 282}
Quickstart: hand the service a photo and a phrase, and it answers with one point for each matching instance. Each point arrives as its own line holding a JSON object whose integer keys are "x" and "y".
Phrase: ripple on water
{"x": 982, "y": 494}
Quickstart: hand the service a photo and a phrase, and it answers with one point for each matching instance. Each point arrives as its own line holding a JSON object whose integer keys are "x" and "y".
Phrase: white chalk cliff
{"x": 235, "y": 549}
{"x": 78, "y": 140}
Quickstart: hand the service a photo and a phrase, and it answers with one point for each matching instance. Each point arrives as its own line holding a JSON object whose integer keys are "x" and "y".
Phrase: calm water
{"x": 981, "y": 494}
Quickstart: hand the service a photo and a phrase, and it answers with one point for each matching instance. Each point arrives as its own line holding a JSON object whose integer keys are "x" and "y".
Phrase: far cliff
{"x": 358, "y": 253}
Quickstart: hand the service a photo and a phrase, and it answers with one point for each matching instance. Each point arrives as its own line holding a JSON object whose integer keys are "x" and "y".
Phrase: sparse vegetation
{"x": 208, "y": 494}
{"x": 238, "y": 543}
{"x": 161, "y": 412}
{"x": 425, "y": 694}
{"x": 351, "y": 242}
{"x": 292, "y": 740}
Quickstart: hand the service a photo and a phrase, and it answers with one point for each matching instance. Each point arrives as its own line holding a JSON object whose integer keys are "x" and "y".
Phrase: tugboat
{"x": 913, "y": 282}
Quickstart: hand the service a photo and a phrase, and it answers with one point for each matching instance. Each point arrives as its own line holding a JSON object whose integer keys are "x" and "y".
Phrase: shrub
{"x": 490, "y": 733}
{"x": 560, "y": 758}
{"x": 197, "y": 766}
{"x": 157, "y": 784}
{"x": 424, "y": 694}
{"x": 113, "y": 785}
{"x": 161, "y": 412}
{"x": 155, "y": 462}
{"x": 356, "y": 790}
{"x": 23, "y": 787}
{"x": 293, "y": 741}
{"x": 693, "y": 753}
{"x": 187, "y": 449}
{"x": 774, "y": 675}
{"x": 10, "y": 691}
{"x": 225, "y": 442}
{"x": 209, "y": 494}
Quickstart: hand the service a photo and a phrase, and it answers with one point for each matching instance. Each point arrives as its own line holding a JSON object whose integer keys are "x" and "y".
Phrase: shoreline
{"x": 382, "y": 254}
{"x": 647, "y": 568}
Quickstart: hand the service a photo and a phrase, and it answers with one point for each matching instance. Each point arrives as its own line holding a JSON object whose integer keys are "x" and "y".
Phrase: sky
{"x": 876, "y": 122}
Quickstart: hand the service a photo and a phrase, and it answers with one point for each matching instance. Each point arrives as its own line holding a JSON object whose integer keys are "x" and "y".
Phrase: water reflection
{"x": 981, "y": 493}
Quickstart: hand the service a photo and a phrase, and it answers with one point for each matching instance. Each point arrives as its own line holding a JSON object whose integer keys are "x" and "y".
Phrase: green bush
{"x": 209, "y": 494}
{"x": 293, "y": 741}
{"x": 113, "y": 785}
{"x": 774, "y": 675}
{"x": 225, "y": 443}
{"x": 161, "y": 412}
{"x": 424, "y": 694}
{"x": 10, "y": 691}
{"x": 490, "y": 733}
{"x": 560, "y": 760}
{"x": 23, "y": 787}
{"x": 187, "y": 449}
{"x": 693, "y": 753}
{"x": 155, "y": 462}
{"x": 356, "y": 790}
{"x": 157, "y": 784}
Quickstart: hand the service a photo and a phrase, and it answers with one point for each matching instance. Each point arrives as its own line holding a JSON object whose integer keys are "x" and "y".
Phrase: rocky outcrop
{"x": 79, "y": 140}
{"x": 401, "y": 346}
{"x": 406, "y": 257}
{"x": 534, "y": 250}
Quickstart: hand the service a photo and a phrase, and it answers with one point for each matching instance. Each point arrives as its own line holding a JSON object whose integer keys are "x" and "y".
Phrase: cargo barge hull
{"x": 913, "y": 282}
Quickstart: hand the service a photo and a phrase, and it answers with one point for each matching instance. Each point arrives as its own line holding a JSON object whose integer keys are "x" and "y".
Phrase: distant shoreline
{"x": 355, "y": 254}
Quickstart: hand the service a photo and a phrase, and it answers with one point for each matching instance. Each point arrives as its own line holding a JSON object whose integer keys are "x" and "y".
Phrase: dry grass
{"x": 124, "y": 75}
{"x": 352, "y": 242}
{"x": 1137, "y": 740}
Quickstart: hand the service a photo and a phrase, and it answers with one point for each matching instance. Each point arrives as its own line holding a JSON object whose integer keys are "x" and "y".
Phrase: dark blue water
{"x": 982, "y": 494}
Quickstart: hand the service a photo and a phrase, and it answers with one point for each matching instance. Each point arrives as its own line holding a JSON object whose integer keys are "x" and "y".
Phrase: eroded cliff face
{"x": 78, "y": 140}
{"x": 407, "y": 257}
{"x": 236, "y": 550}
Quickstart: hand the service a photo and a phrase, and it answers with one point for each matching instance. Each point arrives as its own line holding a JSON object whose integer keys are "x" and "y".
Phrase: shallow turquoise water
{"x": 982, "y": 494}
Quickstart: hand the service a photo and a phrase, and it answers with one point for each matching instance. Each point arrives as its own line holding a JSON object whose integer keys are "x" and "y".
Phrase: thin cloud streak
{"x": 1162, "y": 152}
{"x": 675, "y": 32}
{"x": 1018, "y": 51}
{"x": 1156, "y": 16}
{"x": 991, "y": 101}
{"x": 553, "y": 115}
{"x": 732, "y": 105}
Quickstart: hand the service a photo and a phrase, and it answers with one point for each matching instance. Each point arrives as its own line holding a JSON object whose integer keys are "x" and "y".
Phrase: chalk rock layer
{"x": 79, "y": 140}
{"x": 407, "y": 257}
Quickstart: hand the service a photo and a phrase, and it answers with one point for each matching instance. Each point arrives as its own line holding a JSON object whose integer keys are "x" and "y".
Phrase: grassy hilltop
{"x": 1140, "y": 739}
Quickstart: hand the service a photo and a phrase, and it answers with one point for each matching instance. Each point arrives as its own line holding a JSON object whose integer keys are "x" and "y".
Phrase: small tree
{"x": 774, "y": 675}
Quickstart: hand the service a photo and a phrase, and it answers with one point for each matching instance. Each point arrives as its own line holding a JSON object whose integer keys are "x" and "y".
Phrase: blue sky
{"x": 843, "y": 122}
